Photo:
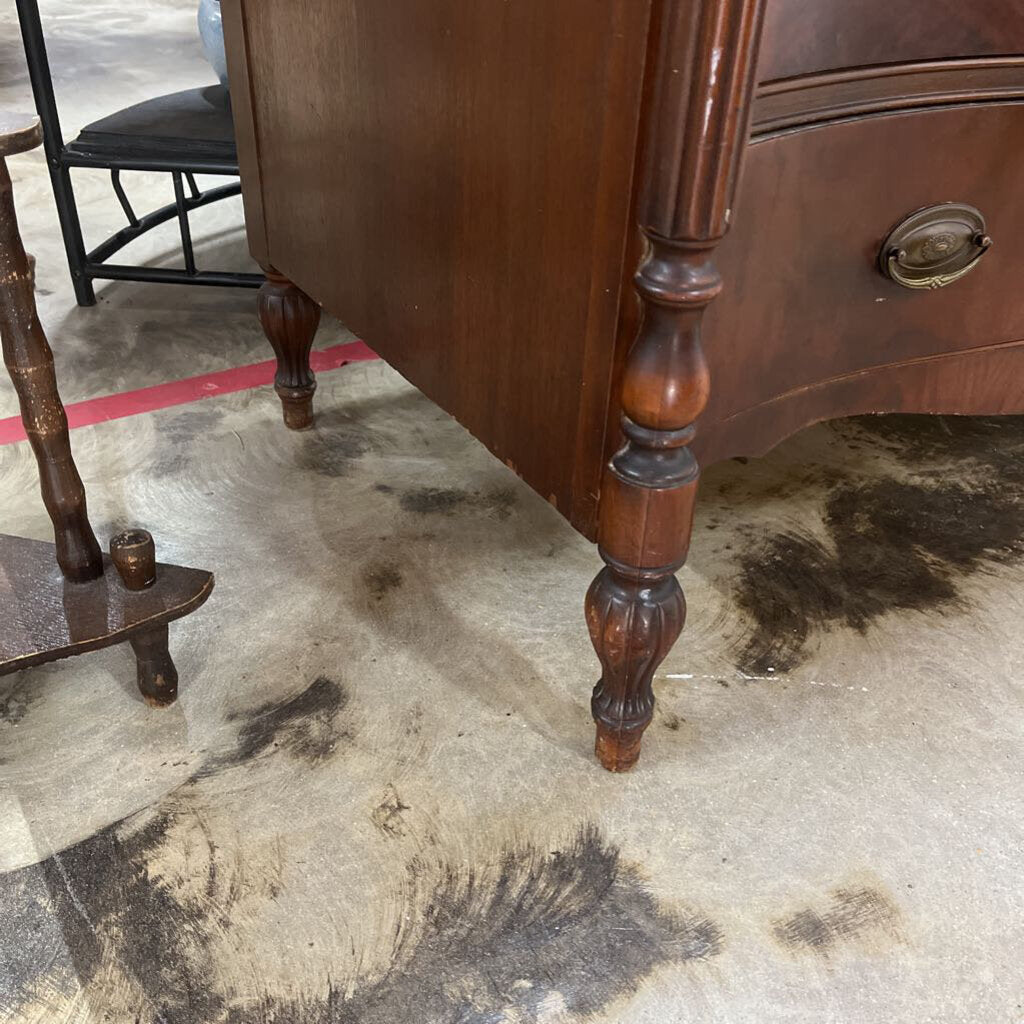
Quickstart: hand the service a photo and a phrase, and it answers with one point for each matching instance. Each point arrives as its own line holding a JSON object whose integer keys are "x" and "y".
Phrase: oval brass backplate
{"x": 934, "y": 246}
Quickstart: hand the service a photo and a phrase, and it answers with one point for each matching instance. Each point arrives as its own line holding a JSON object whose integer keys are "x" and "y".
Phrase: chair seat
{"x": 194, "y": 124}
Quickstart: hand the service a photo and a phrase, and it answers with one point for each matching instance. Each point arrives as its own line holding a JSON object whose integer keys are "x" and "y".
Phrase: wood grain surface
{"x": 453, "y": 180}
{"x": 808, "y": 310}
{"x": 802, "y": 37}
{"x": 48, "y": 618}
{"x": 19, "y": 132}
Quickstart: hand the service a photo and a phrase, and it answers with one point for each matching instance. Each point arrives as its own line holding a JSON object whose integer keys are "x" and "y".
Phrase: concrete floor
{"x": 375, "y": 800}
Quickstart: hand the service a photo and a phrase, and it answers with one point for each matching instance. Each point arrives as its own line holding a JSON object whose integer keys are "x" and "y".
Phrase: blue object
{"x": 211, "y": 31}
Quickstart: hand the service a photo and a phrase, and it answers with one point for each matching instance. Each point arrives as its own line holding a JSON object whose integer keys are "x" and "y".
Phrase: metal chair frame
{"x": 87, "y": 267}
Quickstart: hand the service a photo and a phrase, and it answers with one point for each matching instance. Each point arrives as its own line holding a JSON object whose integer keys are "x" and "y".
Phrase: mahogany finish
{"x": 805, "y": 36}
{"x": 854, "y": 327}
{"x": 57, "y": 599}
{"x": 635, "y": 608}
{"x": 850, "y": 92}
{"x": 471, "y": 185}
{"x": 290, "y": 319}
{"x": 454, "y": 176}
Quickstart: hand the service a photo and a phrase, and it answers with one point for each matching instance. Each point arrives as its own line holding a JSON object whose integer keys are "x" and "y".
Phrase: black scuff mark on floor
{"x": 380, "y": 579}
{"x": 334, "y": 445}
{"x": 181, "y": 434}
{"x": 113, "y": 914}
{"x": 862, "y": 915}
{"x": 332, "y": 456}
{"x": 973, "y": 445}
{"x": 387, "y": 816}
{"x": 30, "y": 933}
{"x": 529, "y": 932}
{"x": 308, "y": 727}
{"x": 670, "y": 720}
{"x": 16, "y": 701}
{"x": 498, "y": 503}
{"x": 536, "y": 933}
{"x": 888, "y": 544}
{"x": 427, "y": 501}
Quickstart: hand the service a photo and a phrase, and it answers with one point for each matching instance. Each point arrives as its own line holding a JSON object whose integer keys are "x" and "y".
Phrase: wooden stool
{"x": 59, "y": 599}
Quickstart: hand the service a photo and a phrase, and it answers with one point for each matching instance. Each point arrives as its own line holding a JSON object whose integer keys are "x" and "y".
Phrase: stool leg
{"x": 156, "y": 674}
{"x": 30, "y": 364}
{"x": 290, "y": 319}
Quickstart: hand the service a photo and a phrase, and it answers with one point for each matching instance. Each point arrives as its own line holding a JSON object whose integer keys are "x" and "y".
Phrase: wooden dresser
{"x": 533, "y": 210}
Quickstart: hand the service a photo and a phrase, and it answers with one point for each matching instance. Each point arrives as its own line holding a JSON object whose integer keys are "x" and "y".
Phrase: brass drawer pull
{"x": 935, "y": 246}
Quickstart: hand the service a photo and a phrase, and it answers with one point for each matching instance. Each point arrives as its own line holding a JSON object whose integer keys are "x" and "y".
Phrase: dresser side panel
{"x": 236, "y": 46}
{"x": 452, "y": 180}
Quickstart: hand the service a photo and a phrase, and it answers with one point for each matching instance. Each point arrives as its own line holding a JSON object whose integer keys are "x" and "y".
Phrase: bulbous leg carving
{"x": 157, "y": 677}
{"x": 290, "y": 319}
{"x": 635, "y": 607}
{"x": 29, "y": 362}
{"x": 634, "y": 617}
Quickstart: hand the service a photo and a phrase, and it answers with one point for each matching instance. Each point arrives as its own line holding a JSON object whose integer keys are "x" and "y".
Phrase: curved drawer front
{"x": 802, "y": 37}
{"x": 853, "y": 92}
{"x": 805, "y": 299}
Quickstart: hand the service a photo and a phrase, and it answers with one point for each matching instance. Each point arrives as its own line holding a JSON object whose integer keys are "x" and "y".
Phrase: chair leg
{"x": 290, "y": 319}
{"x": 156, "y": 674}
{"x": 71, "y": 229}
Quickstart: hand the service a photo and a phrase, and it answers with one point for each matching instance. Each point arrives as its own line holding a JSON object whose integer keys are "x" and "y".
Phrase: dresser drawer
{"x": 805, "y": 304}
{"x": 802, "y": 37}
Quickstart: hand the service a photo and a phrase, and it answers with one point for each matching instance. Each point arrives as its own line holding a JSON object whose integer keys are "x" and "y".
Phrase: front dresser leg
{"x": 290, "y": 319}
{"x": 696, "y": 131}
{"x": 634, "y": 619}
{"x": 635, "y": 607}
{"x": 157, "y": 677}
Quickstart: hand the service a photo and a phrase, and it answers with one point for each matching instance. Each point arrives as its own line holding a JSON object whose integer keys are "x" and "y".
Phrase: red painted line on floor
{"x": 191, "y": 389}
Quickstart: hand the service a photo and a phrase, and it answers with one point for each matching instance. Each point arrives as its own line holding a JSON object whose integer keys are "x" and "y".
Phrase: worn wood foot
{"x": 634, "y": 619}
{"x": 157, "y": 677}
{"x": 290, "y": 319}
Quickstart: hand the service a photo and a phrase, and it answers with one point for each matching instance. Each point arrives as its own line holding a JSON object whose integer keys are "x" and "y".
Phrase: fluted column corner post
{"x": 696, "y": 126}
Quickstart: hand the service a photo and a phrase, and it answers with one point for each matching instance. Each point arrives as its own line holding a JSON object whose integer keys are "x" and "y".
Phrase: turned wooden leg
{"x": 635, "y": 608}
{"x": 155, "y": 672}
{"x": 290, "y": 319}
{"x": 30, "y": 364}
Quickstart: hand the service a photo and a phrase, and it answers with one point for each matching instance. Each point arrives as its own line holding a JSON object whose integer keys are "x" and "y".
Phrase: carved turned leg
{"x": 635, "y": 607}
{"x": 634, "y": 620}
{"x": 157, "y": 677}
{"x": 30, "y": 364}
{"x": 290, "y": 319}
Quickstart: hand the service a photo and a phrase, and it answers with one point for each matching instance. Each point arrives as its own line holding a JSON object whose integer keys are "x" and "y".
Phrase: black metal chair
{"x": 185, "y": 133}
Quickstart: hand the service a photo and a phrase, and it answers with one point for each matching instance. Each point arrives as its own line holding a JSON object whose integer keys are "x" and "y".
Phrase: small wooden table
{"x": 61, "y": 599}
{"x": 522, "y": 205}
